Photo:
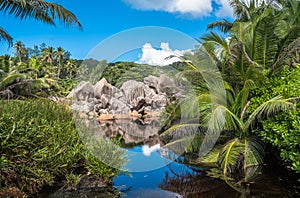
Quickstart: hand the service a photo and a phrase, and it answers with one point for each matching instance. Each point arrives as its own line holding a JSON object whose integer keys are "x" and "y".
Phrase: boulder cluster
{"x": 133, "y": 99}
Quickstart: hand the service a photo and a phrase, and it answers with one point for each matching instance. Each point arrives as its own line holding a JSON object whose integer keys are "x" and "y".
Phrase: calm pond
{"x": 174, "y": 179}
{"x": 153, "y": 175}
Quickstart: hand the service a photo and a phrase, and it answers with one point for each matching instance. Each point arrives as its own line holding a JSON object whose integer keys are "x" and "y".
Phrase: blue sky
{"x": 104, "y": 19}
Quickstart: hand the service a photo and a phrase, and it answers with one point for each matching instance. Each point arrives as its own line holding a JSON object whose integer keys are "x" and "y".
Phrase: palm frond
{"x": 253, "y": 153}
{"x": 176, "y": 127}
{"x": 10, "y": 78}
{"x": 240, "y": 9}
{"x": 288, "y": 45}
{"x": 181, "y": 145}
{"x": 217, "y": 40}
{"x": 224, "y": 25}
{"x": 221, "y": 118}
{"x": 268, "y": 109}
{"x": 265, "y": 42}
{"x": 230, "y": 156}
{"x": 6, "y": 37}
{"x": 40, "y": 10}
{"x": 211, "y": 158}
{"x": 242, "y": 97}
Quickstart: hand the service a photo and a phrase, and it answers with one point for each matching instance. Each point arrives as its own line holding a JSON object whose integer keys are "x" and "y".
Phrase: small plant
{"x": 73, "y": 179}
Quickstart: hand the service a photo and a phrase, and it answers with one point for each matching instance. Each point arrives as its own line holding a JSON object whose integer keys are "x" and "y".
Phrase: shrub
{"x": 283, "y": 130}
{"x": 39, "y": 144}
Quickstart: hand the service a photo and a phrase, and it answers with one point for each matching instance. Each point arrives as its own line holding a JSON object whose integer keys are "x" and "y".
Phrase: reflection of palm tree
{"x": 192, "y": 182}
{"x": 40, "y": 10}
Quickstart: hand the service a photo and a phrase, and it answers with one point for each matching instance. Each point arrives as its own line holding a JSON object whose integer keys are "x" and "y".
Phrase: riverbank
{"x": 40, "y": 146}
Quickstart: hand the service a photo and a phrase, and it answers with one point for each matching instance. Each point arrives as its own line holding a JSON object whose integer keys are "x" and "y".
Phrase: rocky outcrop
{"x": 141, "y": 99}
{"x": 82, "y": 92}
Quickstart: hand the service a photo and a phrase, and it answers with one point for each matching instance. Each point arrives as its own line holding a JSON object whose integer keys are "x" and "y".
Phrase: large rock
{"x": 167, "y": 85}
{"x": 82, "y": 92}
{"x": 119, "y": 107}
{"x": 133, "y": 92}
{"x": 152, "y": 82}
{"x": 103, "y": 87}
{"x": 83, "y": 106}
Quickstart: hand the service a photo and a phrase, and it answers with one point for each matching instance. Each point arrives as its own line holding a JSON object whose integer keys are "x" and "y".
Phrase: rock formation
{"x": 138, "y": 102}
{"x": 144, "y": 99}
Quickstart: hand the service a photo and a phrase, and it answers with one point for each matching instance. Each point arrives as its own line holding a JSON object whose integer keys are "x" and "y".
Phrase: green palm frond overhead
{"x": 44, "y": 11}
{"x": 6, "y": 37}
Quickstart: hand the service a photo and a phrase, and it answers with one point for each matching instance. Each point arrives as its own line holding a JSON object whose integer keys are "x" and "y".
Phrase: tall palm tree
{"x": 261, "y": 40}
{"x": 48, "y": 55}
{"x": 59, "y": 54}
{"x": 20, "y": 49}
{"x": 71, "y": 68}
{"x": 40, "y": 10}
{"x": 226, "y": 113}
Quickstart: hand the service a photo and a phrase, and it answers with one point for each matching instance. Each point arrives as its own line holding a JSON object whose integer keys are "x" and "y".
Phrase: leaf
{"x": 268, "y": 109}
{"x": 230, "y": 155}
{"x": 212, "y": 157}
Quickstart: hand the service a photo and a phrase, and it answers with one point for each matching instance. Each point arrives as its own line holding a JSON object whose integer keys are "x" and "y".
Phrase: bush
{"x": 39, "y": 144}
{"x": 283, "y": 130}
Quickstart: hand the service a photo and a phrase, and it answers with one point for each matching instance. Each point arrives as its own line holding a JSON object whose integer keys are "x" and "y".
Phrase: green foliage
{"x": 40, "y": 143}
{"x": 45, "y": 11}
{"x": 41, "y": 71}
{"x": 282, "y": 131}
{"x": 118, "y": 73}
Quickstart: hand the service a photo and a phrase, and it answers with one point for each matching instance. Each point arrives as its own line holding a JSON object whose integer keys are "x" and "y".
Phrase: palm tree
{"x": 261, "y": 40}
{"x": 48, "y": 55}
{"x": 224, "y": 113}
{"x": 40, "y": 10}
{"x": 18, "y": 81}
{"x": 71, "y": 68}
{"x": 59, "y": 53}
{"x": 20, "y": 50}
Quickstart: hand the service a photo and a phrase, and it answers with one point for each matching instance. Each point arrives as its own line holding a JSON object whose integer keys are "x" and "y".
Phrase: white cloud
{"x": 194, "y": 8}
{"x": 148, "y": 150}
{"x": 154, "y": 56}
{"x": 225, "y": 10}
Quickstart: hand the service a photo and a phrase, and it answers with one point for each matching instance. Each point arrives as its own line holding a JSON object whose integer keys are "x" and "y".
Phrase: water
{"x": 154, "y": 176}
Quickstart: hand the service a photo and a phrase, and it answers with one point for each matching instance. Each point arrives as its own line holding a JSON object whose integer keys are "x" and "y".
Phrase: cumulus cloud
{"x": 154, "y": 56}
{"x": 225, "y": 10}
{"x": 148, "y": 150}
{"x": 194, "y": 8}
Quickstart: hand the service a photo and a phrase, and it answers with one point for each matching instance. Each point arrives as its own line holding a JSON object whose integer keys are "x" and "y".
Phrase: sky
{"x": 160, "y": 26}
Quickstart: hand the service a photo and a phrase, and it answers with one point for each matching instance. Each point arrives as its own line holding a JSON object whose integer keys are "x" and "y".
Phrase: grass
{"x": 39, "y": 144}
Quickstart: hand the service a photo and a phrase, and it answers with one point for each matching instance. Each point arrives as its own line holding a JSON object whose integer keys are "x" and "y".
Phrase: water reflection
{"x": 132, "y": 132}
{"x": 194, "y": 182}
{"x": 176, "y": 179}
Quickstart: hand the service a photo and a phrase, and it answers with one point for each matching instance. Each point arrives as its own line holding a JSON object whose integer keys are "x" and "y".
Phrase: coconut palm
{"x": 261, "y": 40}
{"x": 20, "y": 50}
{"x": 71, "y": 68}
{"x": 48, "y": 55}
{"x": 59, "y": 54}
{"x": 40, "y": 10}
{"x": 223, "y": 112}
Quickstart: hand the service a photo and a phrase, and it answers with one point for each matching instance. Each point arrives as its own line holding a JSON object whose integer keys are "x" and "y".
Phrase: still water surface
{"x": 155, "y": 176}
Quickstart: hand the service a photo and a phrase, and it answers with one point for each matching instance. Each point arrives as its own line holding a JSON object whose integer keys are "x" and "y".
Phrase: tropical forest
{"x": 219, "y": 120}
